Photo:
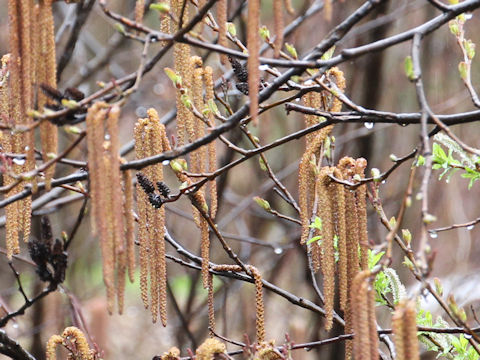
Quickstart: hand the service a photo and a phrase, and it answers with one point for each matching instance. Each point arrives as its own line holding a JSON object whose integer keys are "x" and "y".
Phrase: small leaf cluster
{"x": 447, "y": 346}
{"x": 450, "y": 165}
{"x": 386, "y": 281}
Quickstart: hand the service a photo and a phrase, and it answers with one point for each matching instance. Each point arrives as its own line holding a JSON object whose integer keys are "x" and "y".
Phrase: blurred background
{"x": 375, "y": 81}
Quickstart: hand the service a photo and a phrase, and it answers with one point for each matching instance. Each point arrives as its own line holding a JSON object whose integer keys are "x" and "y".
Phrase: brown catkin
{"x": 360, "y": 315}
{"x": 181, "y": 55}
{"x": 346, "y": 166}
{"x": 259, "y": 305}
{"x": 341, "y": 231}
{"x": 100, "y": 174}
{"x": 12, "y": 224}
{"x": 361, "y": 205}
{"x": 222, "y": 27}
{"x": 76, "y": 336}
{"x": 108, "y": 198}
{"x": 165, "y": 23}
{"x": 46, "y": 73}
{"x": 210, "y": 349}
{"x": 327, "y": 10}
{"x": 52, "y": 346}
{"x": 312, "y": 99}
{"x": 405, "y": 331}
{"x": 325, "y": 213}
{"x": 212, "y": 152}
{"x": 340, "y": 82}
{"x": 306, "y": 183}
{"x": 372, "y": 323}
{"x": 211, "y": 306}
{"x": 139, "y": 11}
{"x": 289, "y": 7}
{"x": 129, "y": 223}
{"x": 21, "y": 101}
{"x": 253, "y": 62}
{"x": 150, "y": 138}
{"x": 205, "y": 251}
{"x": 107, "y": 235}
{"x": 278, "y": 26}
{"x": 142, "y": 207}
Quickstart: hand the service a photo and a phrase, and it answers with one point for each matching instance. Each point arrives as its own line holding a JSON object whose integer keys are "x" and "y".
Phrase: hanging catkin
{"x": 405, "y": 331}
{"x": 150, "y": 139}
{"x": 253, "y": 62}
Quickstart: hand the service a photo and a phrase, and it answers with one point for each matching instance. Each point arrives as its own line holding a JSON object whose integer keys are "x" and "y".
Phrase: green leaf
{"x": 463, "y": 70}
{"x": 317, "y": 224}
{"x": 409, "y": 68}
{"x": 328, "y": 54}
{"x": 262, "y": 203}
{"x": 291, "y": 50}
{"x": 420, "y": 161}
{"x": 162, "y": 7}
{"x": 232, "y": 30}
{"x": 313, "y": 239}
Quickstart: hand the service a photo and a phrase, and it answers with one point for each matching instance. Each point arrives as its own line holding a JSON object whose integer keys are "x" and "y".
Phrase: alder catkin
{"x": 253, "y": 62}
{"x": 405, "y": 331}
{"x": 278, "y": 26}
{"x": 150, "y": 139}
{"x": 341, "y": 231}
{"x": 222, "y": 27}
{"x": 360, "y": 315}
{"x": 325, "y": 213}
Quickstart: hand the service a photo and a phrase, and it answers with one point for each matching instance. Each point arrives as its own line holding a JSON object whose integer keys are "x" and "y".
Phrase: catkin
{"x": 405, "y": 331}
{"x": 20, "y": 90}
{"x": 278, "y": 25}
{"x": 341, "y": 231}
{"x": 110, "y": 204}
{"x": 363, "y": 317}
{"x": 46, "y": 73}
{"x": 150, "y": 138}
{"x": 211, "y": 305}
{"x": 212, "y": 153}
{"x": 222, "y": 27}
{"x": 361, "y": 195}
{"x": 259, "y": 305}
{"x": 325, "y": 213}
{"x": 253, "y": 62}
{"x": 12, "y": 224}
{"x": 327, "y": 10}
{"x": 139, "y": 10}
